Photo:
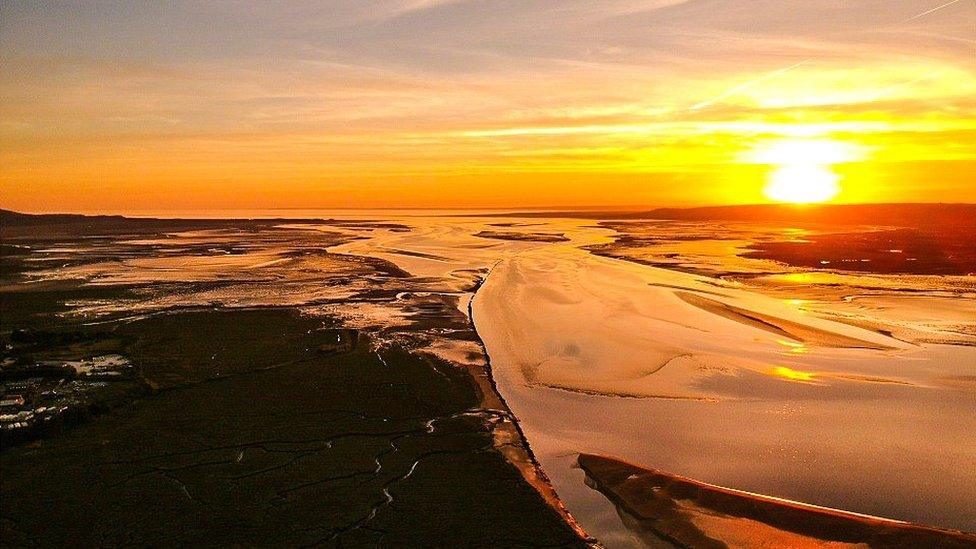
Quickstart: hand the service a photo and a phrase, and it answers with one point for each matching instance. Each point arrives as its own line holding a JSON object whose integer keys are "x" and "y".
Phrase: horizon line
{"x": 147, "y": 213}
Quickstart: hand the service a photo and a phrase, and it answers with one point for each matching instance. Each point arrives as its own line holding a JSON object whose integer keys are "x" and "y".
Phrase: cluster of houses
{"x": 35, "y": 393}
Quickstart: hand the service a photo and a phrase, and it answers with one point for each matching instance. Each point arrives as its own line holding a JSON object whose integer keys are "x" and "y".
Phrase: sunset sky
{"x": 134, "y": 106}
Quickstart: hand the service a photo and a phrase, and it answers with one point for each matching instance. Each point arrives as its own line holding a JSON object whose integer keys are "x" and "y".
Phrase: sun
{"x": 802, "y": 168}
{"x": 802, "y": 183}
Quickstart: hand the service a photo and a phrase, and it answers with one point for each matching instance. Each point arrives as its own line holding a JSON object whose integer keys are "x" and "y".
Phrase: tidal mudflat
{"x": 252, "y": 412}
{"x": 356, "y": 379}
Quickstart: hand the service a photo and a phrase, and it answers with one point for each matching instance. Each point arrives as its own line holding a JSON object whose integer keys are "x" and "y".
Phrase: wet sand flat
{"x": 801, "y": 333}
{"x": 607, "y": 357}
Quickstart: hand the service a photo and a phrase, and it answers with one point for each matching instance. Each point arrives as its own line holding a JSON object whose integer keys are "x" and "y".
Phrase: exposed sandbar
{"x": 689, "y": 513}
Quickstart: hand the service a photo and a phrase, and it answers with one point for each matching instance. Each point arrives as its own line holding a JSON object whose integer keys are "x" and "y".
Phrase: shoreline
{"x": 529, "y": 465}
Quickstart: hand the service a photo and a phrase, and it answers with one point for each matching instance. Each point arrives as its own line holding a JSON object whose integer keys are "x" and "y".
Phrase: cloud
{"x": 451, "y": 86}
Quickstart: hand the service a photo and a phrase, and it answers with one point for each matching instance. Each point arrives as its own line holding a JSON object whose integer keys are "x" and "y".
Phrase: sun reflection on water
{"x": 795, "y": 347}
{"x": 790, "y": 374}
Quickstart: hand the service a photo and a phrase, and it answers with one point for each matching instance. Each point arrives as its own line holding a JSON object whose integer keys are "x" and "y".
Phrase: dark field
{"x": 263, "y": 427}
{"x": 947, "y": 251}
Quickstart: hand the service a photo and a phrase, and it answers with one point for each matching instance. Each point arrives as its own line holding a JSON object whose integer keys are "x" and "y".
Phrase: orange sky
{"x": 413, "y": 103}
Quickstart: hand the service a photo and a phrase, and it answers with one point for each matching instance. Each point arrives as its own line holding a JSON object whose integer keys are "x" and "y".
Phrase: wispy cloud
{"x": 933, "y": 10}
{"x": 746, "y": 85}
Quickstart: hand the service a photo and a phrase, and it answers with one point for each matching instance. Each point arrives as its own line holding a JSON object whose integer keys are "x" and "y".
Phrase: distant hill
{"x": 901, "y": 215}
{"x": 921, "y": 215}
{"x": 16, "y": 225}
{"x": 16, "y": 219}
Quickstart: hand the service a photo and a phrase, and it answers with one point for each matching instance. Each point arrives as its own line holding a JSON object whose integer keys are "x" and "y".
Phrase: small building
{"x": 12, "y": 401}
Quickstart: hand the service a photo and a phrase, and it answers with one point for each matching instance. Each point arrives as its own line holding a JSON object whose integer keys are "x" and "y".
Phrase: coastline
{"x": 525, "y": 460}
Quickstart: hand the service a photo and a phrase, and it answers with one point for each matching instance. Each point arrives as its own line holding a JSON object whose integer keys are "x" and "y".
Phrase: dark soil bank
{"x": 263, "y": 427}
{"x": 947, "y": 251}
